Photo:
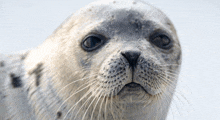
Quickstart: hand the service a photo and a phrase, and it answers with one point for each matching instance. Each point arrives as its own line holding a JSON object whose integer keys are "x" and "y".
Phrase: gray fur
{"x": 61, "y": 80}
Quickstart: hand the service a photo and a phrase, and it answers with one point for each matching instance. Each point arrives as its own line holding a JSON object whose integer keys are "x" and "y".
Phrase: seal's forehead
{"x": 114, "y": 11}
{"x": 110, "y": 6}
{"x": 122, "y": 4}
{"x": 105, "y": 9}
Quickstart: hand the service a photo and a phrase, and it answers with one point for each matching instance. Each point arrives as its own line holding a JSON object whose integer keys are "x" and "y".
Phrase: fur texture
{"x": 130, "y": 75}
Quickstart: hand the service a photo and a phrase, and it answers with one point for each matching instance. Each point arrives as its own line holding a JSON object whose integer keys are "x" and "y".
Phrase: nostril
{"x": 131, "y": 56}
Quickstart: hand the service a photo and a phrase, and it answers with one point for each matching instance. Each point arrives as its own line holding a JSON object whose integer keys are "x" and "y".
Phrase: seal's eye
{"x": 92, "y": 42}
{"x": 161, "y": 41}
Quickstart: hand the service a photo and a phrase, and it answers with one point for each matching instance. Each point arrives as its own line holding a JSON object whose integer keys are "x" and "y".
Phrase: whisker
{"x": 79, "y": 100}
{"x": 111, "y": 105}
{"x": 86, "y": 101}
{"x": 96, "y": 104}
{"x": 167, "y": 65}
{"x": 89, "y": 106}
{"x": 106, "y": 107}
{"x": 101, "y": 106}
{"x": 77, "y": 103}
{"x": 76, "y": 93}
{"x": 74, "y": 82}
{"x": 167, "y": 81}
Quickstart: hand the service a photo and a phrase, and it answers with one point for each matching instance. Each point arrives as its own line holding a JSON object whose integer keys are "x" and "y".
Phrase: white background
{"x": 25, "y": 24}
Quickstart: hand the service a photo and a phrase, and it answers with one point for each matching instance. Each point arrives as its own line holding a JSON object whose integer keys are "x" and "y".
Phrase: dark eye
{"x": 161, "y": 41}
{"x": 92, "y": 42}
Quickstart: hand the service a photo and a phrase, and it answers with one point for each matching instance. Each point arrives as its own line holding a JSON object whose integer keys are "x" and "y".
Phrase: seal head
{"x": 110, "y": 60}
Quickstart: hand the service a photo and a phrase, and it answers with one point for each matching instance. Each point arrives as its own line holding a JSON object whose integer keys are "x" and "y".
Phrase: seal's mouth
{"x": 132, "y": 88}
{"x": 133, "y": 85}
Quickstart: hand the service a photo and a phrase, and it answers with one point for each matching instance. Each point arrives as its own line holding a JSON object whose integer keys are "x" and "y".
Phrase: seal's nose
{"x": 131, "y": 56}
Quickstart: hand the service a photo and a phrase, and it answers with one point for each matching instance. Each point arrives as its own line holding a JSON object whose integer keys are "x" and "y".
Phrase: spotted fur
{"x": 127, "y": 78}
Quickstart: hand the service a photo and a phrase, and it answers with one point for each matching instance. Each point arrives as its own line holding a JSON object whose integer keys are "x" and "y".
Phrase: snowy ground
{"x": 25, "y": 24}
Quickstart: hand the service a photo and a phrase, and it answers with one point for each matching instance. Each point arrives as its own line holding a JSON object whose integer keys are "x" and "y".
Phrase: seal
{"x": 112, "y": 60}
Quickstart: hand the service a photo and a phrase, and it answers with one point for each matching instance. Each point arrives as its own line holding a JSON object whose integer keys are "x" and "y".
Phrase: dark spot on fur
{"x": 2, "y": 96}
{"x": 28, "y": 89}
{"x": 179, "y": 56}
{"x": 38, "y": 73}
{"x": 2, "y": 64}
{"x": 23, "y": 57}
{"x": 170, "y": 68}
{"x": 59, "y": 114}
{"x": 15, "y": 81}
{"x": 168, "y": 23}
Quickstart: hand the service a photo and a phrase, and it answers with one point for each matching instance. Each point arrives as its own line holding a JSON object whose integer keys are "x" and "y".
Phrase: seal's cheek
{"x": 86, "y": 63}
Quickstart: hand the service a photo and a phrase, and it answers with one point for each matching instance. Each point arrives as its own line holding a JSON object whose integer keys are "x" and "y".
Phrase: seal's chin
{"x": 132, "y": 88}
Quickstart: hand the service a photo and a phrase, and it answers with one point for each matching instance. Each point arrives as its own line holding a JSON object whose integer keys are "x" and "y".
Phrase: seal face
{"x": 111, "y": 60}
